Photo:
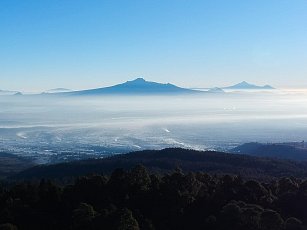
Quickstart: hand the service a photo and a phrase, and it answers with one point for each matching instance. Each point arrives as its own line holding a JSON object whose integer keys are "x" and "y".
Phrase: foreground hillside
{"x": 168, "y": 159}
{"x": 136, "y": 199}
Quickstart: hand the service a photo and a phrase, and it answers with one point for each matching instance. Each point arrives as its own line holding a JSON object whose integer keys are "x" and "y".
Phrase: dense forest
{"x": 136, "y": 199}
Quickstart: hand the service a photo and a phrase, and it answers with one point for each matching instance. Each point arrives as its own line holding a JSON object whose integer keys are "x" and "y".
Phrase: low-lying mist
{"x": 52, "y": 128}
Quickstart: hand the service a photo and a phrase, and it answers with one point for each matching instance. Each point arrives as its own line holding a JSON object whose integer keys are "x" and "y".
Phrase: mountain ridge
{"x": 166, "y": 160}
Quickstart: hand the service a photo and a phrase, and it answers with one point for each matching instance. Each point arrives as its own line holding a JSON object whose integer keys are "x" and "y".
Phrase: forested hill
{"x": 171, "y": 158}
{"x": 137, "y": 200}
{"x": 291, "y": 151}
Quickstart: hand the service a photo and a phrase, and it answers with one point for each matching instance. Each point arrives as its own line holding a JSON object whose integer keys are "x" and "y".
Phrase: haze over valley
{"x": 61, "y": 126}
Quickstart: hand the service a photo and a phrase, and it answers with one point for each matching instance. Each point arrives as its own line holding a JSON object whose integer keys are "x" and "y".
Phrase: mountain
{"x": 57, "y": 90}
{"x": 168, "y": 159}
{"x": 216, "y": 90}
{"x": 7, "y": 92}
{"x": 136, "y": 87}
{"x": 245, "y": 85}
{"x": 18, "y": 94}
{"x": 291, "y": 151}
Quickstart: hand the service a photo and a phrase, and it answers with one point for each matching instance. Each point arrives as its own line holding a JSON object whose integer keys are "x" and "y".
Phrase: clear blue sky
{"x": 195, "y": 43}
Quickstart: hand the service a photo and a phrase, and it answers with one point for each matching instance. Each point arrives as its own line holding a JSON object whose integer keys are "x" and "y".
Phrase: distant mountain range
{"x": 137, "y": 87}
{"x": 140, "y": 86}
{"x": 143, "y": 87}
{"x": 245, "y": 85}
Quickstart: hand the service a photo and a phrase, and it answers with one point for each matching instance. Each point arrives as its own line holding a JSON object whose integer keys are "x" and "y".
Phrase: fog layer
{"x": 51, "y": 128}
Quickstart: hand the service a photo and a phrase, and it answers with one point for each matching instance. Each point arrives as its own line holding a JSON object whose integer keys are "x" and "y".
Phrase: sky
{"x": 80, "y": 44}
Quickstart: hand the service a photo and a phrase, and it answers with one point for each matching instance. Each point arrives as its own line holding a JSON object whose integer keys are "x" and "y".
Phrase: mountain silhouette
{"x": 137, "y": 86}
{"x": 246, "y": 85}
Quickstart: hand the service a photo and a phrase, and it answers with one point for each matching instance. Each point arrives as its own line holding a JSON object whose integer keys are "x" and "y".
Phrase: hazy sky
{"x": 195, "y": 43}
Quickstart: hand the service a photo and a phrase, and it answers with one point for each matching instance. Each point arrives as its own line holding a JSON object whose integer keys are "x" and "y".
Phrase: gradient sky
{"x": 194, "y": 43}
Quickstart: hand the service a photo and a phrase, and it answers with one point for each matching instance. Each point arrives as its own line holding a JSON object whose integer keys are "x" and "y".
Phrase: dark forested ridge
{"x": 136, "y": 199}
{"x": 165, "y": 160}
{"x": 11, "y": 164}
{"x": 292, "y": 151}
